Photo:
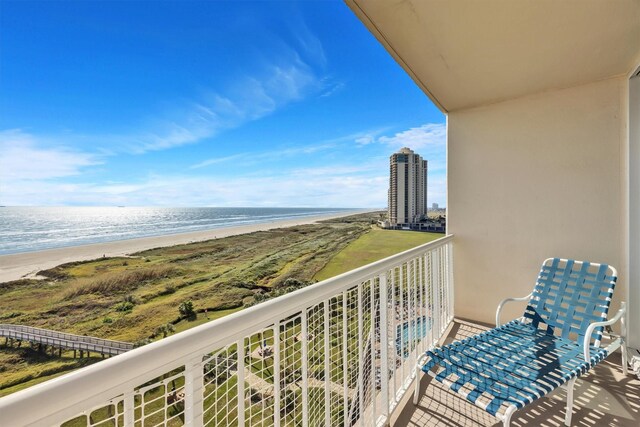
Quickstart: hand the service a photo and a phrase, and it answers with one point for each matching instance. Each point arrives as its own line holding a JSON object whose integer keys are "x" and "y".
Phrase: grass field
{"x": 129, "y": 299}
{"x": 373, "y": 246}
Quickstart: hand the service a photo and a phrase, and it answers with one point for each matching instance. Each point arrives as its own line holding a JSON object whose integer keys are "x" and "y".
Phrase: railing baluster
{"x": 360, "y": 361}
{"x": 414, "y": 324}
{"x": 193, "y": 388}
{"x": 394, "y": 329}
{"x": 304, "y": 334}
{"x": 443, "y": 300}
{"x": 345, "y": 357}
{"x": 384, "y": 345}
{"x": 240, "y": 386}
{"x": 276, "y": 374}
{"x": 409, "y": 314}
{"x": 423, "y": 312}
{"x": 327, "y": 366}
{"x": 401, "y": 323}
{"x": 129, "y": 409}
{"x": 450, "y": 280}
{"x": 372, "y": 347}
{"x": 435, "y": 280}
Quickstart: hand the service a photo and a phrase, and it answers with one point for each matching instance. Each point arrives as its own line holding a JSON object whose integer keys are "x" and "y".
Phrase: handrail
{"x": 113, "y": 377}
{"x": 506, "y": 300}
{"x": 587, "y": 336}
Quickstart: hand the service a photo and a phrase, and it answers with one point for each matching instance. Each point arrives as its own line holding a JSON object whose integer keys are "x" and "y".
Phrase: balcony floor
{"x": 603, "y": 397}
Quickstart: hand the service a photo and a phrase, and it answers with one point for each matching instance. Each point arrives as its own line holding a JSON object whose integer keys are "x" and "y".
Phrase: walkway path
{"x": 266, "y": 388}
{"x": 63, "y": 340}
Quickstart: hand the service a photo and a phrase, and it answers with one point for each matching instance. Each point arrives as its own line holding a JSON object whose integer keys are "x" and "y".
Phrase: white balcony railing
{"x": 340, "y": 352}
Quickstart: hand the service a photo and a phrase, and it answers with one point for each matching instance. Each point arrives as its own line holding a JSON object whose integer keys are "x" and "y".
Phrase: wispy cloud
{"x": 361, "y": 138}
{"x": 247, "y": 99}
{"x": 22, "y": 157}
{"x": 428, "y": 140}
{"x": 254, "y": 157}
{"x": 332, "y": 88}
{"x": 293, "y": 71}
{"x": 426, "y": 136}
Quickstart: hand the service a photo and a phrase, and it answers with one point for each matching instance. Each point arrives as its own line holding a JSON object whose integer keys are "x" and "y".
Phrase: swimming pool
{"x": 402, "y": 333}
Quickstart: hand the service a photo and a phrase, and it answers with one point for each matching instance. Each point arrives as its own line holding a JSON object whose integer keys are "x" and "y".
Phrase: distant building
{"x": 435, "y": 206}
{"x": 407, "y": 188}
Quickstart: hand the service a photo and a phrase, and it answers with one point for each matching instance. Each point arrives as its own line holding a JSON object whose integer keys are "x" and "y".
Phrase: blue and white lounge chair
{"x": 557, "y": 340}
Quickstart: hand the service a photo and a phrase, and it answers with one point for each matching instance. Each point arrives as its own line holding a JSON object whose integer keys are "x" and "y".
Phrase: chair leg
{"x": 623, "y": 344}
{"x": 416, "y": 391}
{"x": 569, "y": 410}
{"x": 507, "y": 416}
{"x": 625, "y": 362}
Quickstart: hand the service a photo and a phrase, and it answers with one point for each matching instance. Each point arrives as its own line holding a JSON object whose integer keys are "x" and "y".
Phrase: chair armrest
{"x": 504, "y": 301}
{"x": 587, "y": 336}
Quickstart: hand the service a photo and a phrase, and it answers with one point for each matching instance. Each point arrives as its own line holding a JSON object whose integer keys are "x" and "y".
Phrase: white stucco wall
{"x": 533, "y": 178}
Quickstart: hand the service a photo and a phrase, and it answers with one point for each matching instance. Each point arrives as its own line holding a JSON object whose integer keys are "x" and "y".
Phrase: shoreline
{"x": 27, "y": 264}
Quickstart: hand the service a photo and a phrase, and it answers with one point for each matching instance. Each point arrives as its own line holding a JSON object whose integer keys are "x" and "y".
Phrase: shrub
{"x": 141, "y": 342}
{"x": 169, "y": 289}
{"x": 164, "y": 330}
{"x": 124, "y": 306}
{"x": 186, "y": 309}
{"x": 107, "y": 320}
{"x": 130, "y": 298}
{"x": 110, "y": 284}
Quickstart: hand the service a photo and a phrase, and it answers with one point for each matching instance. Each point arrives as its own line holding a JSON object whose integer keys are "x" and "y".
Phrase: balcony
{"x": 341, "y": 352}
{"x": 543, "y": 142}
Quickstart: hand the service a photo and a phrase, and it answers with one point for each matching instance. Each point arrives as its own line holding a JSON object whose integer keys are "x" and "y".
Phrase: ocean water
{"x": 26, "y": 229}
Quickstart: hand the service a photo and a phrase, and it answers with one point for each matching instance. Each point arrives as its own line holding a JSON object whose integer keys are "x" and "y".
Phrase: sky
{"x": 208, "y": 103}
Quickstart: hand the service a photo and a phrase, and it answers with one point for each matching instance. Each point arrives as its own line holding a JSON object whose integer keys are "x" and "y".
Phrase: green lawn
{"x": 373, "y": 246}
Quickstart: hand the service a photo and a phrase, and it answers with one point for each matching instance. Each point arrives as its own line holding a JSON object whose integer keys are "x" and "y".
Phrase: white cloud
{"x": 23, "y": 158}
{"x": 332, "y": 89}
{"x": 254, "y": 157}
{"x": 321, "y": 190}
{"x": 248, "y": 98}
{"x": 426, "y": 136}
{"x": 428, "y": 140}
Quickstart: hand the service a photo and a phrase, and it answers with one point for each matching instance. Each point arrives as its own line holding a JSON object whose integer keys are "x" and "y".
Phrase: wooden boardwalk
{"x": 63, "y": 340}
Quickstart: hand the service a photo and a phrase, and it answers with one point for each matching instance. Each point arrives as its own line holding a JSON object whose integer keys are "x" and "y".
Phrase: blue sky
{"x": 203, "y": 104}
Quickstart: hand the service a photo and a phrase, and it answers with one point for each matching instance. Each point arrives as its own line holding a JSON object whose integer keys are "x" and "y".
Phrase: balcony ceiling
{"x": 467, "y": 53}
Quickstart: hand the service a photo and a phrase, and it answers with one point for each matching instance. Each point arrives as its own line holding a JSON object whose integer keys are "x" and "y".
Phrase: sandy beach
{"x": 27, "y": 264}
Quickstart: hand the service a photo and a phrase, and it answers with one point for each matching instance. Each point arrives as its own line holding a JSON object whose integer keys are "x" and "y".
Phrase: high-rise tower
{"x": 407, "y": 187}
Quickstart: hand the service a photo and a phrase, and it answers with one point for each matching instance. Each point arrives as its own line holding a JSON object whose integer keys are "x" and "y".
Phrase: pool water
{"x": 402, "y": 334}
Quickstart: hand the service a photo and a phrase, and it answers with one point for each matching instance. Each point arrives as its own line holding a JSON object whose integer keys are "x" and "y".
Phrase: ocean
{"x": 26, "y": 229}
